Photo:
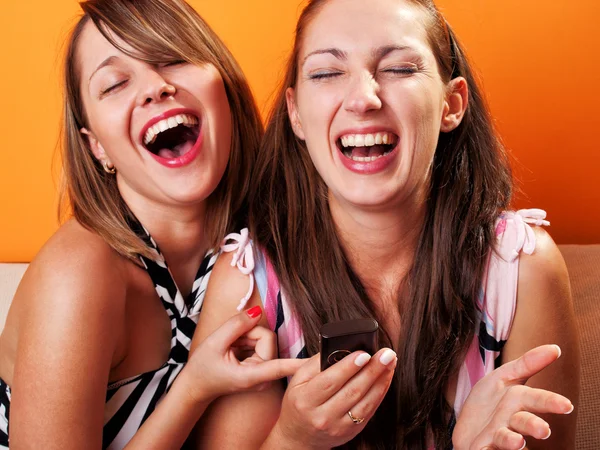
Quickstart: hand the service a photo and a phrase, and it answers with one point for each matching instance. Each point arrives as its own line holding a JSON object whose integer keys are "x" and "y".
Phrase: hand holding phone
{"x": 339, "y": 339}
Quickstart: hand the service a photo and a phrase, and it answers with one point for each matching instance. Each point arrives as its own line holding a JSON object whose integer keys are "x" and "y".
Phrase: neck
{"x": 179, "y": 232}
{"x": 379, "y": 244}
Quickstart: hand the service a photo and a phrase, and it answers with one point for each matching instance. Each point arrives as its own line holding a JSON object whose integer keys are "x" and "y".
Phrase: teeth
{"x": 166, "y": 124}
{"x": 367, "y": 140}
{"x": 365, "y": 158}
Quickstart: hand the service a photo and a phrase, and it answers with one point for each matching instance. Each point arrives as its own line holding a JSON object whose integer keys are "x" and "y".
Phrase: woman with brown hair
{"x": 381, "y": 191}
{"x": 160, "y": 130}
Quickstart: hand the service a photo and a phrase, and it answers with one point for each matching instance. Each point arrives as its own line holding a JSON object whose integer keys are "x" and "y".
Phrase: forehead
{"x": 365, "y": 24}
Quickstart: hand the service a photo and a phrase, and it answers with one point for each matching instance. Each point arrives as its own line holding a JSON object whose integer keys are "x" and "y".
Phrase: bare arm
{"x": 68, "y": 332}
{"x": 245, "y": 419}
{"x": 544, "y": 315}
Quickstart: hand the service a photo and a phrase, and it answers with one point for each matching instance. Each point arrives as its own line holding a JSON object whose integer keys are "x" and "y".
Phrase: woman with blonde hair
{"x": 382, "y": 191}
{"x": 160, "y": 130}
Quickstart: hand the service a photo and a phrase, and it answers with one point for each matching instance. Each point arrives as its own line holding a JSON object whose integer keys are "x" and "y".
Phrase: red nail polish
{"x": 253, "y": 312}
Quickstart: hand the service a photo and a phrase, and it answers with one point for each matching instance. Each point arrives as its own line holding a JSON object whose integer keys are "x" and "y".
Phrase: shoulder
{"x": 74, "y": 271}
{"x": 544, "y": 270}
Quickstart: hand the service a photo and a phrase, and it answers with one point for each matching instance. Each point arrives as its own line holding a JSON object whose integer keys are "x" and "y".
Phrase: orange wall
{"x": 537, "y": 59}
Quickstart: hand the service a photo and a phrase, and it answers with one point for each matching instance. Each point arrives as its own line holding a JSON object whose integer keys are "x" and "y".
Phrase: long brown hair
{"x": 159, "y": 31}
{"x": 470, "y": 184}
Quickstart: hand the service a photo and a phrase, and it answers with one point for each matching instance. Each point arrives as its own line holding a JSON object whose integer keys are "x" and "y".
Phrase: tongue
{"x": 363, "y": 152}
{"x": 177, "y": 151}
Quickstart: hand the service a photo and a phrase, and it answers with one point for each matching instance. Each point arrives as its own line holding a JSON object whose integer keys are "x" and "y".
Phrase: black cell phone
{"x": 339, "y": 339}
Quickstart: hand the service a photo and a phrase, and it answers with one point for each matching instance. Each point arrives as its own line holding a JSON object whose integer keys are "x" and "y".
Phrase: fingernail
{"x": 549, "y": 433}
{"x": 571, "y": 410}
{"x": 362, "y": 359}
{"x": 254, "y": 312}
{"x": 387, "y": 357}
{"x": 524, "y": 444}
{"x": 559, "y": 351}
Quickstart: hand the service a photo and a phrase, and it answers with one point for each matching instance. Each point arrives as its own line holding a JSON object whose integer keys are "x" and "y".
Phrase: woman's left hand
{"x": 237, "y": 356}
{"x": 500, "y": 410}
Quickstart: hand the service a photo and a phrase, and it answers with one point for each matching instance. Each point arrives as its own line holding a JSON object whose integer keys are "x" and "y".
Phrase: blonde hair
{"x": 159, "y": 31}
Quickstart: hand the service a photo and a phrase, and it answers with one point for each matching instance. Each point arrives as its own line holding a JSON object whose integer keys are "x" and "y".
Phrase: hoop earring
{"x": 108, "y": 169}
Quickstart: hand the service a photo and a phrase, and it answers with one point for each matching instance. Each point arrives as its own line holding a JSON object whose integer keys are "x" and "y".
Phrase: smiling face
{"x": 165, "y": 128}
{"x": 369, "y": 101}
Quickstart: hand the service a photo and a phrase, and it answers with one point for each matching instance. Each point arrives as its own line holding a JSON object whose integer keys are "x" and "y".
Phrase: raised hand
{"x": 238, "y": 356}
{"x": 500, "y": 410}
{"x": 327, "y": 409}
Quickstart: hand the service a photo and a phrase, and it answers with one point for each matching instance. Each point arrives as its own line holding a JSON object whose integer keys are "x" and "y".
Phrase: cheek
{"x": 317, "y": 106}
{"x": 110, "y": 123}
{"x": 213, "y": 95}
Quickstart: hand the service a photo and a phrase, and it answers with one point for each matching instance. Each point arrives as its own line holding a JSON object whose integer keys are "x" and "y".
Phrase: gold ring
{"x": 356, "y": 420}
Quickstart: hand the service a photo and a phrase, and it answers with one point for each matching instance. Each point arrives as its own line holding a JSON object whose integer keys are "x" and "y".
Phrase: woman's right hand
{"x": 318, "y": 407}
{"x": 237, "y": 356}
{"x": 500, "y": 410}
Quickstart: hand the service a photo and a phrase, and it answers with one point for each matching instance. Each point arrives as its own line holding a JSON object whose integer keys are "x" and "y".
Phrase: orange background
{"x": 538, "y": 60}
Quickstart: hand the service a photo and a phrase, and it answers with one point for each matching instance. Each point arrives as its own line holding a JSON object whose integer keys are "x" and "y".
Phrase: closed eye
{"x": 405, "y": 70}
{"x": 323, "y": 75}
{"x": 112, "y": 88}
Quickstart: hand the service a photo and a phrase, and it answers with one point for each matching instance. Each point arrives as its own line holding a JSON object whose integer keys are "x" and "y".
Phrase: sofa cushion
{"x": 10, "y": 276}
{"x": 583, "y": 263}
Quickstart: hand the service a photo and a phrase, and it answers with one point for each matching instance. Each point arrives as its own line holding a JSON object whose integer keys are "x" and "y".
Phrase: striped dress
{"x": 496, "y": 302}
{"x": 129, "y": 402}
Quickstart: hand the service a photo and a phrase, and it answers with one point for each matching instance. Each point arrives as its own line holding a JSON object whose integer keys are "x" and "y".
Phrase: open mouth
{"x": 367, "y": 147}
{"x": 172, "y": 137}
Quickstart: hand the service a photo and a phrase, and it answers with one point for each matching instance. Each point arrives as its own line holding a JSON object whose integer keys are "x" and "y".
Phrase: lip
{"x": 182, "y": 160}
{"x": 370, "y": 167}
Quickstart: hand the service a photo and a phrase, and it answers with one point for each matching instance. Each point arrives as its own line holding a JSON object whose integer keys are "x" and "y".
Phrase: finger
{"x": 265, "y": 342}
{"x": 275, "y": 369}
{"x": 367, "y": 404}
{"x": 245, "y": 343}
{"x": 530, "y": 363}
{"x": 525, "y": 398}
{"x": 330, "y": 381}
{"x": 240, "y": 324}
{"x": 307, "y": 372}
{"x": 528, "y": 424}
{"x": 505, "y": 439}
{"x": 374, "y": 378}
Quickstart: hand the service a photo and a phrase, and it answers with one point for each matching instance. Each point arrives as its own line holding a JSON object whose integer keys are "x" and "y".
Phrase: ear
{"x": 293, "y": 113}
{"x": 95, "y": 145}
{"x": 455, "y": 105}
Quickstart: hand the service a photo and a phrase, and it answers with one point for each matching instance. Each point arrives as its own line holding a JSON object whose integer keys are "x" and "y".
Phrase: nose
{"x": 363, "y": 95}
{"x": 155, "y": 89}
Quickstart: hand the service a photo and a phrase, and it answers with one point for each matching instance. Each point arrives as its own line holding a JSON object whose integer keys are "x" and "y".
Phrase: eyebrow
{"x": 107, "y": 62}
{"x": 378, "y": 53}
{"x": 339, "y": 54}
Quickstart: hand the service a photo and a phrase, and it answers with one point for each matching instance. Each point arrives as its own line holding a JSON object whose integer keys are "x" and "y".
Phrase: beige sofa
{"x": 584, "y": 269}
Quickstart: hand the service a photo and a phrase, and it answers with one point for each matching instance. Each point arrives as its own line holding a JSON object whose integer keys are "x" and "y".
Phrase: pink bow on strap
{"x": 525, "y": 234}
{"x": 243, "y": 258}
